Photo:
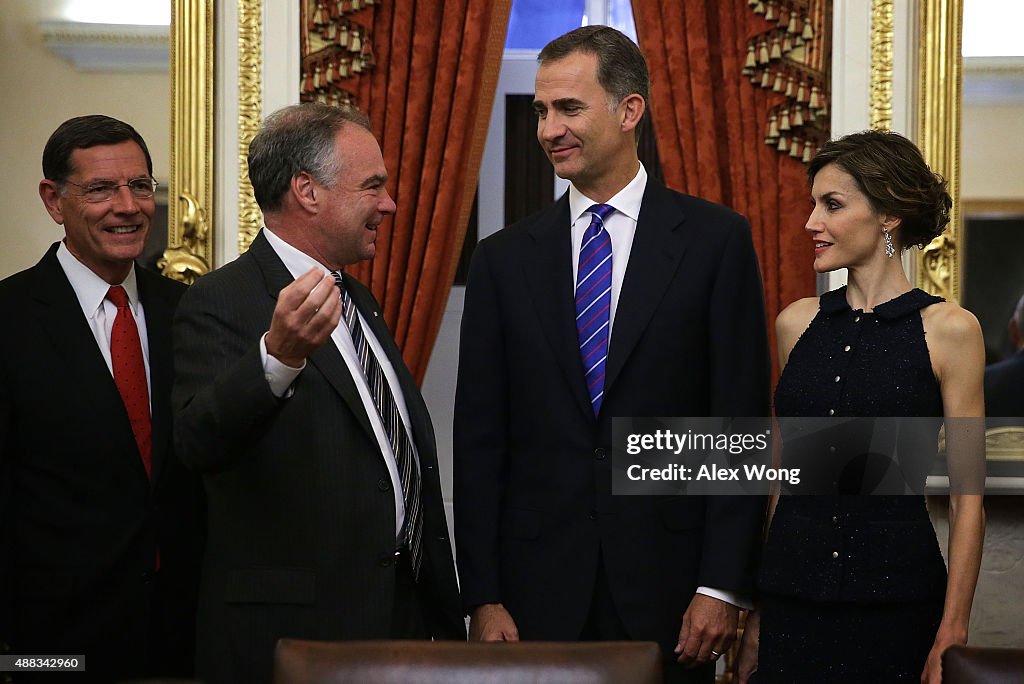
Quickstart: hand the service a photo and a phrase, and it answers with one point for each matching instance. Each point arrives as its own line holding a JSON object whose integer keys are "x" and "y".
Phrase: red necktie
{"x": 130, "y": 373}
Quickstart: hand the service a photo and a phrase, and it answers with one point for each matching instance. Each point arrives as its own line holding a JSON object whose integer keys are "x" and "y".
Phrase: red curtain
{"x": 709, "y": 123}
{"x": 429, "y": 97}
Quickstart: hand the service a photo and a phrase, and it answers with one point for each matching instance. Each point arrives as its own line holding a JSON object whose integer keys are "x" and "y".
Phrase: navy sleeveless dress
{"x": 852, "y": 587}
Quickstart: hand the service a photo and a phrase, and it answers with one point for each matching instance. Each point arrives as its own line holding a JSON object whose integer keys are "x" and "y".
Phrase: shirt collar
{"x": 626, "y": 201}
{"x": 297, "y": 262}
{"x": 90, "y": 289}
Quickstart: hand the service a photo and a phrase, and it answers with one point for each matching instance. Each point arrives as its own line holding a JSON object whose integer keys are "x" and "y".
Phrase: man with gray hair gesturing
{"x": 317, "y": 452}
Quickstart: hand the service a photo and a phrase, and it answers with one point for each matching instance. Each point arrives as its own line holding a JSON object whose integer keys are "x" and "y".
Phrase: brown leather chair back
{"x": 967, "y": 665}
{"x": 455, "y": 662}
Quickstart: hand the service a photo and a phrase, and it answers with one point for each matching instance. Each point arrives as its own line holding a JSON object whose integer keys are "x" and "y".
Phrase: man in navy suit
{"x": 101, "y": 528}
{"x": 545, "y": 551}
{"x": 1004, "y": 381}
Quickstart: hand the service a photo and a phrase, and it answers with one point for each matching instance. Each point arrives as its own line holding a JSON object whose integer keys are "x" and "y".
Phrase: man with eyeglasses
{"x": 101, "y": 528}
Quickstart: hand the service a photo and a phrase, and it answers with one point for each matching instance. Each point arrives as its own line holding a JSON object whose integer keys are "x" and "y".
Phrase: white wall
{"x": 40, "y": 90}
{"x": 992, "y": 152}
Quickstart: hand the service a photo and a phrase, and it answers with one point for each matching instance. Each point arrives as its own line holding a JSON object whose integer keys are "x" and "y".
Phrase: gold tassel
{"x": 331, "y": 75}
{"x": 810, "y": 116}
{"x": 759, "y": 8}
{"x": 318, "y": 81}
{"x": 766, "y": 79}
{"x": 751, "y": 58}
{"x": 815, "y": 102}
{"x": 808, "y": 31}
{"x": 343, "y": 36}
{"x": 776, "y": 48}
{"x": 823, "y": 110}
{"x": 762, "y": 56}
{"x": 777, "y": 86}
{"x": 791, "y": 28}
{"x": 801, "y": 92}
{"x": 808, "y": 152}
{"x": 769, "y": 14}
{"x": 367, "y": 3}
{"x": 773, "y": 127}
{"x": 798, "y": 116}
{"x": 357, "y": 66}
{"x": 789, "y": 86}
{"x": 787, "y": 44}
{"x": 355, "y": 5}
{"x": 357, "y": 44}
{"x": 783, "y": 144}
{"x": 794, "y": 148}
{"x": 751, "y": 2}
{"x": 784, "y": 124}
{"x": 343, "y": 67}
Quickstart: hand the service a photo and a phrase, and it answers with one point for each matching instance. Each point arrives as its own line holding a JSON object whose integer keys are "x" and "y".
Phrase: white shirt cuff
{"x": 279, "y": 376}
{"x": 726, "y": 596}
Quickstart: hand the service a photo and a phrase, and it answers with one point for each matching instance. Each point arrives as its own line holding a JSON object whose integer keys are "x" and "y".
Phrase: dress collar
{"x": 905, "y": 304}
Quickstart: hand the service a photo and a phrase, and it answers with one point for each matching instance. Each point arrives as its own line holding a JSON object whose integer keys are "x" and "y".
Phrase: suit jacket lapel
{"x": 549, "y": 282}
{"x": 658, "y": 247}
{"x": 327, "y": 359}
{"x": 60, "y": 315}
{"x": 159, "y": 311}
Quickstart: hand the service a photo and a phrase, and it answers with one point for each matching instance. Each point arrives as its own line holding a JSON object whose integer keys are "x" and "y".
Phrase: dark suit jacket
{"x": 80, "y": 524}
{"x": 533, "y": 501}
{"x": 302, "y": 519}
{"x": 1004, "y": 388}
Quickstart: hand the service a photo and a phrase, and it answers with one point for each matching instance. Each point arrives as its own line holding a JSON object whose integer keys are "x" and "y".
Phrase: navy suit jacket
{"x": 1004, "y": 387}
{"x": 534, "y": 509}
{"x": 80, "y": 523}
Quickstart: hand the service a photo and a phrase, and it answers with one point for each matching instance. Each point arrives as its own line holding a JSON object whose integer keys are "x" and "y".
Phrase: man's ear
{"x": 49, "y": 192}
{"x": 632, "y": 108}
{"x": 304, "y": 189}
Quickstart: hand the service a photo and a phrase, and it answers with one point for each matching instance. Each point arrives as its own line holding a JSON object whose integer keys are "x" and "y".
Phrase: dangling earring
{"x": 890, "y": 251}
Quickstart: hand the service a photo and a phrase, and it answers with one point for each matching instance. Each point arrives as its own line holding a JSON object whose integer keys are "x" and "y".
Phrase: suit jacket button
{"x": 599, "y": 453}
{"x": 383, "y": 485}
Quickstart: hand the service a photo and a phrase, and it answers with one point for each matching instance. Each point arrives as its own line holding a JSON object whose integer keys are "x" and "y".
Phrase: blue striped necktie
{"x": 398, "y": 436}
{"x": 594, "y": 301}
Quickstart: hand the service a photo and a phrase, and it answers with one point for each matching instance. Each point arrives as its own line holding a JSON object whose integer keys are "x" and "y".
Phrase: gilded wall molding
{"x": 882, "y": 51}
{"x": 250, "y": 111}
{"x": 938, "y": 135}
{"x": 190, "y": 198}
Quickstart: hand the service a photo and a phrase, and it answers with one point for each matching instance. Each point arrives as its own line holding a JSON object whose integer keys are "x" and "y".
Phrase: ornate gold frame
{"x": 190, "y": 198}
{"x": 938, "y": 134}
{"x": 250, "y": 108}
{"x": 882, "y": 51}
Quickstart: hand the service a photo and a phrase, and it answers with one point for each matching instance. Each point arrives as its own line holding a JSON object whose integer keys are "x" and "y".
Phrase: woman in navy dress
{"x": 854, "y": 588}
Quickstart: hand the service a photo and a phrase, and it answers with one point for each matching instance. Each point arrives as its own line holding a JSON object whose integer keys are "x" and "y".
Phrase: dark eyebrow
{"x": 830, "y": 195}
{"x": 561, "y": 103}
{"x": 376, "y": 179}
{"x": 566, "y": 102}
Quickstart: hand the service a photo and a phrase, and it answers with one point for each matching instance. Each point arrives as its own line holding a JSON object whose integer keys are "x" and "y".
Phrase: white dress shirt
{"x": 621, "y": 227}
{"x": 100, "y": 312}
{"x": 281, "y": 376}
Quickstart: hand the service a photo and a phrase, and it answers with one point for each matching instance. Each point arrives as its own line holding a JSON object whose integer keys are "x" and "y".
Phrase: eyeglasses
{"x": 103, "y": 191}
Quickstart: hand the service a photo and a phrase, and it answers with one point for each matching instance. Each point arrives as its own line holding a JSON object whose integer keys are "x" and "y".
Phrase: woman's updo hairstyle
{"x": 891, "y": 172}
